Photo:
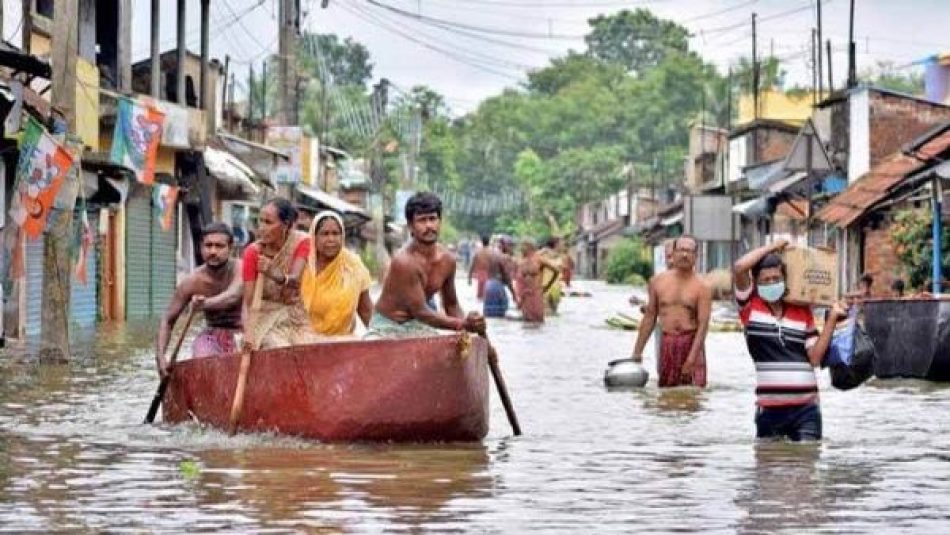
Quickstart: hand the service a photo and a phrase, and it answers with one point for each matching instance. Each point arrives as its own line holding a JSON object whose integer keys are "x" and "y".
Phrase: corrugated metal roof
{"x": 875, "y": 185}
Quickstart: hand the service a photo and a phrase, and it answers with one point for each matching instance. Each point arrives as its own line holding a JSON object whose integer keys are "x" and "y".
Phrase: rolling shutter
{"x": 164, "y": 253}
{"x": 33, "y": 268}
{"x": 138, "y": 254}
{"x": 83, "y": 301}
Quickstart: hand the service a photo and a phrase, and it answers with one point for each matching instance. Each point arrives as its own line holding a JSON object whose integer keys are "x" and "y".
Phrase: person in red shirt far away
{"x": 784, "y": 344}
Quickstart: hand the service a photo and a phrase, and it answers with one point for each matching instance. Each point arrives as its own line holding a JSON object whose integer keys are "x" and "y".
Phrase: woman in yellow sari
{"x": 334, "y": 287}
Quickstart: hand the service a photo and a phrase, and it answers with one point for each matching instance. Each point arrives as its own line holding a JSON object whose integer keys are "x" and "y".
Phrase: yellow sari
{"x": 331, "y": 295}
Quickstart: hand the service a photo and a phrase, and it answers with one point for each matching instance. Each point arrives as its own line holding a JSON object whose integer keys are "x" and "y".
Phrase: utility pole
{"x": 380, "y": 100}
{"x": 289, "y": 17}
{"x": 852, "y": 75}
{"x": 264, "y": 92}
{"x": 156, "y": 68}
{"x": 180, "y": 63}
{"x": 206, "y": 91}
{"x": 250, "y": 102}
{"x": 54, "y": 330}
{"x": 831, "y": 74}
{"x": 815, "y": 76}
{"x": 821, "y": 71}
{"x": 225, "y": 112}
{"x": 755, "y": 93}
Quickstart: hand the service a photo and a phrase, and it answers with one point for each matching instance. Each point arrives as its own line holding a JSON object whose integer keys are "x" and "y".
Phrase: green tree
{"x": 913, "y": 243}
{"x": 637, "y": 40}
{"x": 886, "y": 75}
{"x": 346, "y": 60}
{"x": 629, "y": 262}
{"x": 571, "y": 69}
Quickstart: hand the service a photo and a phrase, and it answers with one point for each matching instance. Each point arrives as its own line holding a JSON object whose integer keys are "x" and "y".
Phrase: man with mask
{"x": 683, "y": 303}
{"x": 419, "y": 270}
{"x": 215, "y": 288}
{"x": 784, "y": 344}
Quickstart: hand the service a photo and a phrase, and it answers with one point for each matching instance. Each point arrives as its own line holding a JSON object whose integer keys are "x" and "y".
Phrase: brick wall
{"x": 774, "y": 144}
{"x": 896, "y": 121}
{"x": 880, "y": 260}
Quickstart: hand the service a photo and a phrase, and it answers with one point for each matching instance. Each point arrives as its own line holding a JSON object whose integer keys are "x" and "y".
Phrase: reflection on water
{"x": 73, "y": 456}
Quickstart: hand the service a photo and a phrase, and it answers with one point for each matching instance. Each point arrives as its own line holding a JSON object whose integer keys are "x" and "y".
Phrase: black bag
{"x": 861, "y": 367}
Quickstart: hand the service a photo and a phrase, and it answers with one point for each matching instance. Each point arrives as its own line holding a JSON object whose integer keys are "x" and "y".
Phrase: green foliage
{"x": 912, "y": 235}
{"x": 636, "y": 40}
{"x": 629, "y": 262}
{"x": 578, "y": 127}
{"x": 347, "y": 60}
{"x": 368, "y": 256}
{"x": 886, "y": 75}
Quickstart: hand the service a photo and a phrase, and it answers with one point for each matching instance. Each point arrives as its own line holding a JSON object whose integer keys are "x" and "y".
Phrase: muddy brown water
{"x": 74, "y": 456}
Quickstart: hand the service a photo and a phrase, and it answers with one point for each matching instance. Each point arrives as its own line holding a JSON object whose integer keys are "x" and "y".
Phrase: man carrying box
{"x": 784, "y": 344}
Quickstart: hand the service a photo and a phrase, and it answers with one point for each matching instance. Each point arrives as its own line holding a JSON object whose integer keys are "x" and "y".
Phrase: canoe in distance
{"x": 427, "y": 389}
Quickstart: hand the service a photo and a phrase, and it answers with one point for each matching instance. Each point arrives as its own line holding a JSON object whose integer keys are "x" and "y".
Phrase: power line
{"x": 368, "y": 17}
{"x": 482, "y": 29}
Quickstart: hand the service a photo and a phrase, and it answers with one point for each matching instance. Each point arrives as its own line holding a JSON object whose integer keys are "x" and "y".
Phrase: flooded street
{"x": 75, "y": 457}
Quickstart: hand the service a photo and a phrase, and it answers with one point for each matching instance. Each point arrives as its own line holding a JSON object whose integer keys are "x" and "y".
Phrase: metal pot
{"x": 625, "y": 373}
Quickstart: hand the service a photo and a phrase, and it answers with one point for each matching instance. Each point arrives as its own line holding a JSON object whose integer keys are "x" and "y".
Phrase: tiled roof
{"x": 875, "y": 185}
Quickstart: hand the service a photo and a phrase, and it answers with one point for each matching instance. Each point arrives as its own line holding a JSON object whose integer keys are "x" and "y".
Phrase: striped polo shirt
{"x": 778, "y": 346}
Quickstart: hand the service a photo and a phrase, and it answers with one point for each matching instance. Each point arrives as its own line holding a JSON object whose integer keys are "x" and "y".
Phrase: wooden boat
{"x": 911, "y": 337}
{"x": 407, "y": 390}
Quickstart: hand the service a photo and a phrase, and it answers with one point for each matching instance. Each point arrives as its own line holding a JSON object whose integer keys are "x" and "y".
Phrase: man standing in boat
{"x": 215, "y": 288}
{"x": 418, "y": 271}
{"x": 682, "y": 302}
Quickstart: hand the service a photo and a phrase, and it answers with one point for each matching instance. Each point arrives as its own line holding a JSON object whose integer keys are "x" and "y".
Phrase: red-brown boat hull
{"x": 407, "y": 390}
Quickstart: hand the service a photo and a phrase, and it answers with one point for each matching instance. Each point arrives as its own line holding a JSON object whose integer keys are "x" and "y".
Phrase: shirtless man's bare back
{"x": 683, "y": 303}
{"x": 419, "y": 270}
{"x": 481, "y": 264}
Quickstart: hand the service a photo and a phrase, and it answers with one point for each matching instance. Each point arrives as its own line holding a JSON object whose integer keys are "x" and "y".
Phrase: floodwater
{"x": 74, "y": 456}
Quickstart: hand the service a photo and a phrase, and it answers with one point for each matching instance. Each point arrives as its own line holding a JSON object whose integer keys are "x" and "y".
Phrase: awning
{"x": 230, "y": 170}
{"x": 236, "y": 144}
{"x": 762, "y": 175}
{"x": 787, "y": 183}
{"x": 671, "y": 220}
{"x": 758, "y": 207}
{"x": 353, "y": 213}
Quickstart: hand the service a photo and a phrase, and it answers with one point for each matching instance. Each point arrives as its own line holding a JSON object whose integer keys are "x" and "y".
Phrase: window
{"x": 45, "y": 8}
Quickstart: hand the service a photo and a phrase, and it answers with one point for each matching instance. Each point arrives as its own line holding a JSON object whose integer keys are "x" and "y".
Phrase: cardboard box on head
{"x": 812, "y": 275}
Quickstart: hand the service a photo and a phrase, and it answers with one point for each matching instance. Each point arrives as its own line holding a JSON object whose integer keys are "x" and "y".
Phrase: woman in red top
{"x": 273, "y": 313}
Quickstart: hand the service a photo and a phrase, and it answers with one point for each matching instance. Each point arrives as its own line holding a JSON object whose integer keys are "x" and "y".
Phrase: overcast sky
{"x": 471, "y": 49}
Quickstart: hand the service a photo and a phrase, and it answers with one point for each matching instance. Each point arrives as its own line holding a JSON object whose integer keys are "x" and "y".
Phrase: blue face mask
{"x": 772, "y": 292}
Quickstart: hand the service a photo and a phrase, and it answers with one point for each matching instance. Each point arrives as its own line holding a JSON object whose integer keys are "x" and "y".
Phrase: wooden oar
{"x": 500, "y": 386}
{"x": 238, "y": 404}
{"x": 163, "y": 385}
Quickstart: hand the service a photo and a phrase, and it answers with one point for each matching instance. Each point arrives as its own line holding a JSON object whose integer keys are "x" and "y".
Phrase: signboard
{"x": 290, "y": 140}
{"x": 708, "y": 217}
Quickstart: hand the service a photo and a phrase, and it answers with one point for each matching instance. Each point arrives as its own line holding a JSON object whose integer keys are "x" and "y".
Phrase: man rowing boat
{"x": 215, "y": 289}
{"x": 417, "y": 272}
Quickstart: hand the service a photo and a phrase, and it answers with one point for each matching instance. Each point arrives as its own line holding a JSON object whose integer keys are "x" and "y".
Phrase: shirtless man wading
{"x": 683, "y": 303}
{"x": 418, "y": 271}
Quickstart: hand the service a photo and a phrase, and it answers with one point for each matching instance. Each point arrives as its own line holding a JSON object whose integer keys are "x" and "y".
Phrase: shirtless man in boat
{"x": 683, "y": 304}
{"x": 215, "y": 288}
{"x": 418, "y": 271}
